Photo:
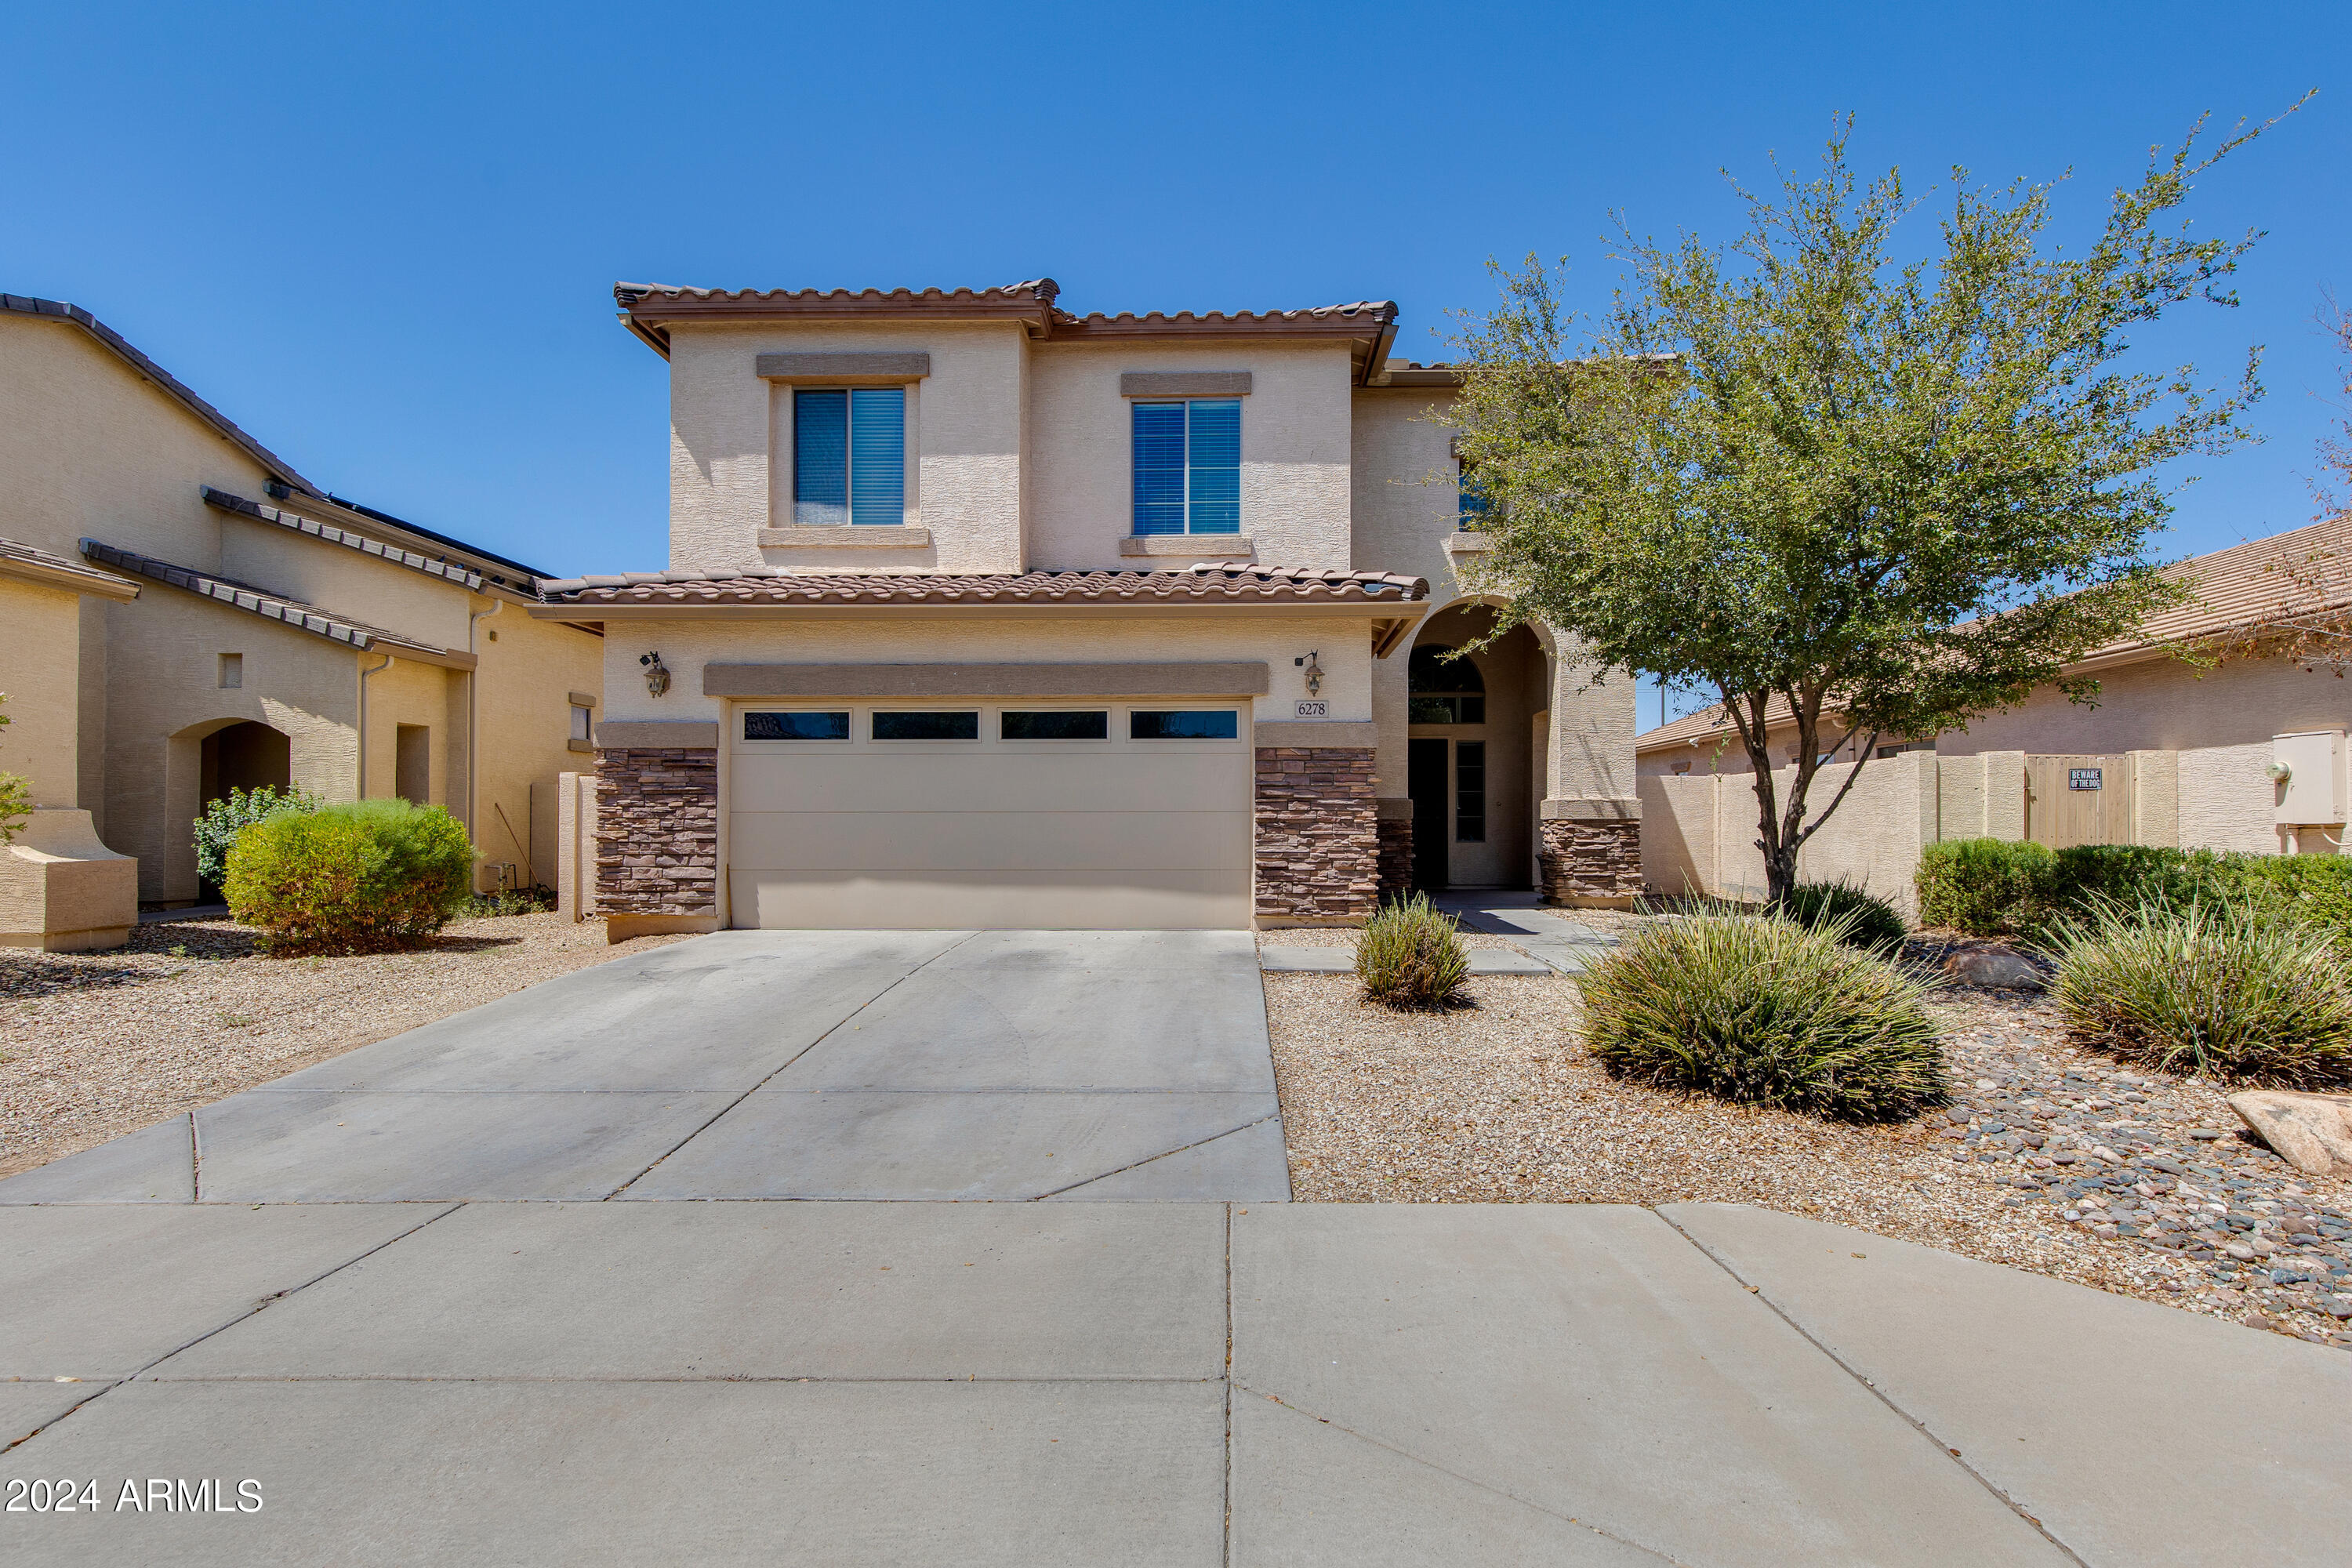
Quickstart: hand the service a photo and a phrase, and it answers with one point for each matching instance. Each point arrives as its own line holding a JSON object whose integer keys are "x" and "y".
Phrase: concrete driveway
{"x": 278, "y": 1303}
{"x": 904, "y": 1065}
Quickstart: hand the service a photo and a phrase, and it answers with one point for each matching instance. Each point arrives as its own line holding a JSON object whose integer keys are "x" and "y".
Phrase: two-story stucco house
{"x": 182, "y": 613}
{"x": 982, "y": 613}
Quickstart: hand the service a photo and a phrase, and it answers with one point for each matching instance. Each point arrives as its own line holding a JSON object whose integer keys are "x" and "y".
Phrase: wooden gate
{"x": 2078, "y": 800}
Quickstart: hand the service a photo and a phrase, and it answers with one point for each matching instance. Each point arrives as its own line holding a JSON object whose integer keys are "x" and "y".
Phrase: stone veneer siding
{"x": 658, "y": 831}
{"x": 1317, "y": 856}
{"x": 1591, "y": 858}
{"x": 1395, "y": 857}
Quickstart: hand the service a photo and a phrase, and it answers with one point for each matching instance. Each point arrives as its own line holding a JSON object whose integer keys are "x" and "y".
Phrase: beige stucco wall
{"x": 730, "y": 445}
{"x": 40, "y": 660}
{"x": 406, "y": 692}
{"x": 90, "y": 448}
{"x": 1295, "y": 451}
{"x": 364, "y": 587}
{"x": 524, "y": 718}
{"x": 164, "y": 696}
{"x": 1342, "y": 645}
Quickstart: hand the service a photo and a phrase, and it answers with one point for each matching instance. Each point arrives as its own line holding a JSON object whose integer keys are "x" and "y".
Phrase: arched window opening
{"x": 1444, "y": 690}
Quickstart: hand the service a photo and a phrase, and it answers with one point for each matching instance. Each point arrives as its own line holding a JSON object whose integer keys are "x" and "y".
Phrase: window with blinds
{"x": 849, "y": 457}
{"x": 1188, "y": 466}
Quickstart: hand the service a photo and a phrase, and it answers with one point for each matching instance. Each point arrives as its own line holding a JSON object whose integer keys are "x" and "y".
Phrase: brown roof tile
{"x": 1210, "y": 581}
{"x": 258, "y": 601}
{"x": 20, "y": 560}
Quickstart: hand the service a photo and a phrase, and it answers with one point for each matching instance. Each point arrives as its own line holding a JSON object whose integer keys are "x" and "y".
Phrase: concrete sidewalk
{"x": 1130, "y": 1384}
{"x": 1548, "y": 934}
{"x": 899, "y": 1065}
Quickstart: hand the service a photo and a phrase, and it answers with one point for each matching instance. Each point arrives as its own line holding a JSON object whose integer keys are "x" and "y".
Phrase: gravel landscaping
{"x": 96, "y": 1044}
{"x": 2048, "y": 1158}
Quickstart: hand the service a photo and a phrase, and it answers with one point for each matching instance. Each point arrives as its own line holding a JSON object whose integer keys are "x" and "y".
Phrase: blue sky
{"x": 382, "y": 239}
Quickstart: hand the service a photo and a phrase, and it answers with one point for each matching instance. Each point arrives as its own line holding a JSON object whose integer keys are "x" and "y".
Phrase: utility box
{"x": 2309, "y": 768}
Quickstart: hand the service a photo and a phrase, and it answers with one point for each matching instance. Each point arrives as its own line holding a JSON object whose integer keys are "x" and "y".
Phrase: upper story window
{"x": 1188, "y": 466}
{"x": 849, "y": 457}
{"x": 1470, "y": 500}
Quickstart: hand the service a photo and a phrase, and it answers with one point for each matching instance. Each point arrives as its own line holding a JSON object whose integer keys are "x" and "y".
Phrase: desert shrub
{"x": 1410, "y": 956}
{"x": 367, "y": 877}
{"x": 1985, "y": 887}
{"x": 1768, "y": 1012}
{"x": 2213, "y": 986}
{"x": 509, "y": 901}
{"x": 231, "y": 815}
{"x": 1863, "y": 918}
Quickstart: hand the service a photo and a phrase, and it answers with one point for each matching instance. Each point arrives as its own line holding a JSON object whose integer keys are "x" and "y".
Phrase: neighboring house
{"x": 2170, "y": 752}
{"x": 181, "y": 612}
{"x": 984, "y": 612}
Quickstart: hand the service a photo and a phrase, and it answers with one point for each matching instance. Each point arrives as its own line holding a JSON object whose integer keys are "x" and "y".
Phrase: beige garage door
{"x": 1054, "y": 815}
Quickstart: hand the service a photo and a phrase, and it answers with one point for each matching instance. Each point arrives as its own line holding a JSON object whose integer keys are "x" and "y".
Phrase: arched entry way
{"x": 1471, "y": 751}
{"x": 244, "y": 755}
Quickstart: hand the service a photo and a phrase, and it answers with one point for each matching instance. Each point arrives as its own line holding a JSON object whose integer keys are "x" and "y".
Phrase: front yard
{"x": 96, "y": 1044}
{"x": 1498, "y": 1103}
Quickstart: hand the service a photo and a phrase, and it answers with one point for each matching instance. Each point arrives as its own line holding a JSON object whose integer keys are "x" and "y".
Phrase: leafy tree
{"x": 1892, "y": 494}
{"x": 16, "y": 794}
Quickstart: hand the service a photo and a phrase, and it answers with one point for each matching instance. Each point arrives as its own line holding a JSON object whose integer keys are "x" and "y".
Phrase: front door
{"x": 1426, "y": 779}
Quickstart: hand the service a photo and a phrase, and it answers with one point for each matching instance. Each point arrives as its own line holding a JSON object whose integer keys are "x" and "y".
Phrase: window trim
{"x": 848, "y": 727}
{"x": 873, "y": 715}
{"x": 1135, "y": 713}
{"x": 1184, "y": 505}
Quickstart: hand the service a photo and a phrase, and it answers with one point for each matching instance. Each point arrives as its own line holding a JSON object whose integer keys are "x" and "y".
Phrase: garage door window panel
{"x": 1186, "y": 724}
{"x": 815, "y": 726}
{"x": 927, "y": 724}
{"x": 1054, "y": 724}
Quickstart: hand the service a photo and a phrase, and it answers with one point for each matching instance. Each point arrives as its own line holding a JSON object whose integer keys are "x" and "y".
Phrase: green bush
{"x": 1985, "y": 887}
{"x": 1410, "y": 955}
{"x": 368, "y": 878}
{"x": 1989, "y": 887}
{"x": 231, "y": 815}
{"x": 2216, "y": 988}
{"x": 1864, "y": 920}
{"x": 1767, "y": 1012}
{"x": 509, "y": 901}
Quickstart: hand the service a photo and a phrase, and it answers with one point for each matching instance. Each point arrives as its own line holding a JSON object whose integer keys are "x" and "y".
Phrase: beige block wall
{"x": 1699, "y": 833}
{"x": 730, "y": 445}
{"x": 407, "y": 692}
{"x": 1296, "y": 459}
{"x": 523, "y": 718}
{"x": 40, "y": 660}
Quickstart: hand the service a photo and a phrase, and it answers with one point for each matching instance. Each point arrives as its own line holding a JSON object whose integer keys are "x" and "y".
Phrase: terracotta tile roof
{"x": 649, "y": 310}
{"x": 258, "y": 601}
{"x": 329, "y": 534}
{"x": 171, "y": 386}
{"x": 2238, "y": 587}
{"x": 629, "y": 296}
{"x": 19, "y": 560}
{"x": 1208, "y": 581}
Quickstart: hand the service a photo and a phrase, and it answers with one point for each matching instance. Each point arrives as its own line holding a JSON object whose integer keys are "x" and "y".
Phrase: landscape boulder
{"x": 1992, "y": 968}
{"x": 2312, "y": 1131}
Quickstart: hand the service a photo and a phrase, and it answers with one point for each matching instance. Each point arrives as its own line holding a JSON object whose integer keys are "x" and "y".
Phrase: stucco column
{"x": 1589, "y": 848}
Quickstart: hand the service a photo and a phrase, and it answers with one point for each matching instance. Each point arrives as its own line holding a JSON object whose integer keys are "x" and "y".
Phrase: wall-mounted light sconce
{"x": 656, "y": 673}
{"x": 1313, "y": 671}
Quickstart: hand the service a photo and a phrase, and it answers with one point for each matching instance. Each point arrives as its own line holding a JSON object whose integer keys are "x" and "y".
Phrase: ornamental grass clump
{"x": 1410, "y": 955}
{"x": 373, "y": 876}
{"x": 1866, "y": 920}
{"x": 1765, "y": 1011}
{"x": 2215, "y": 988}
